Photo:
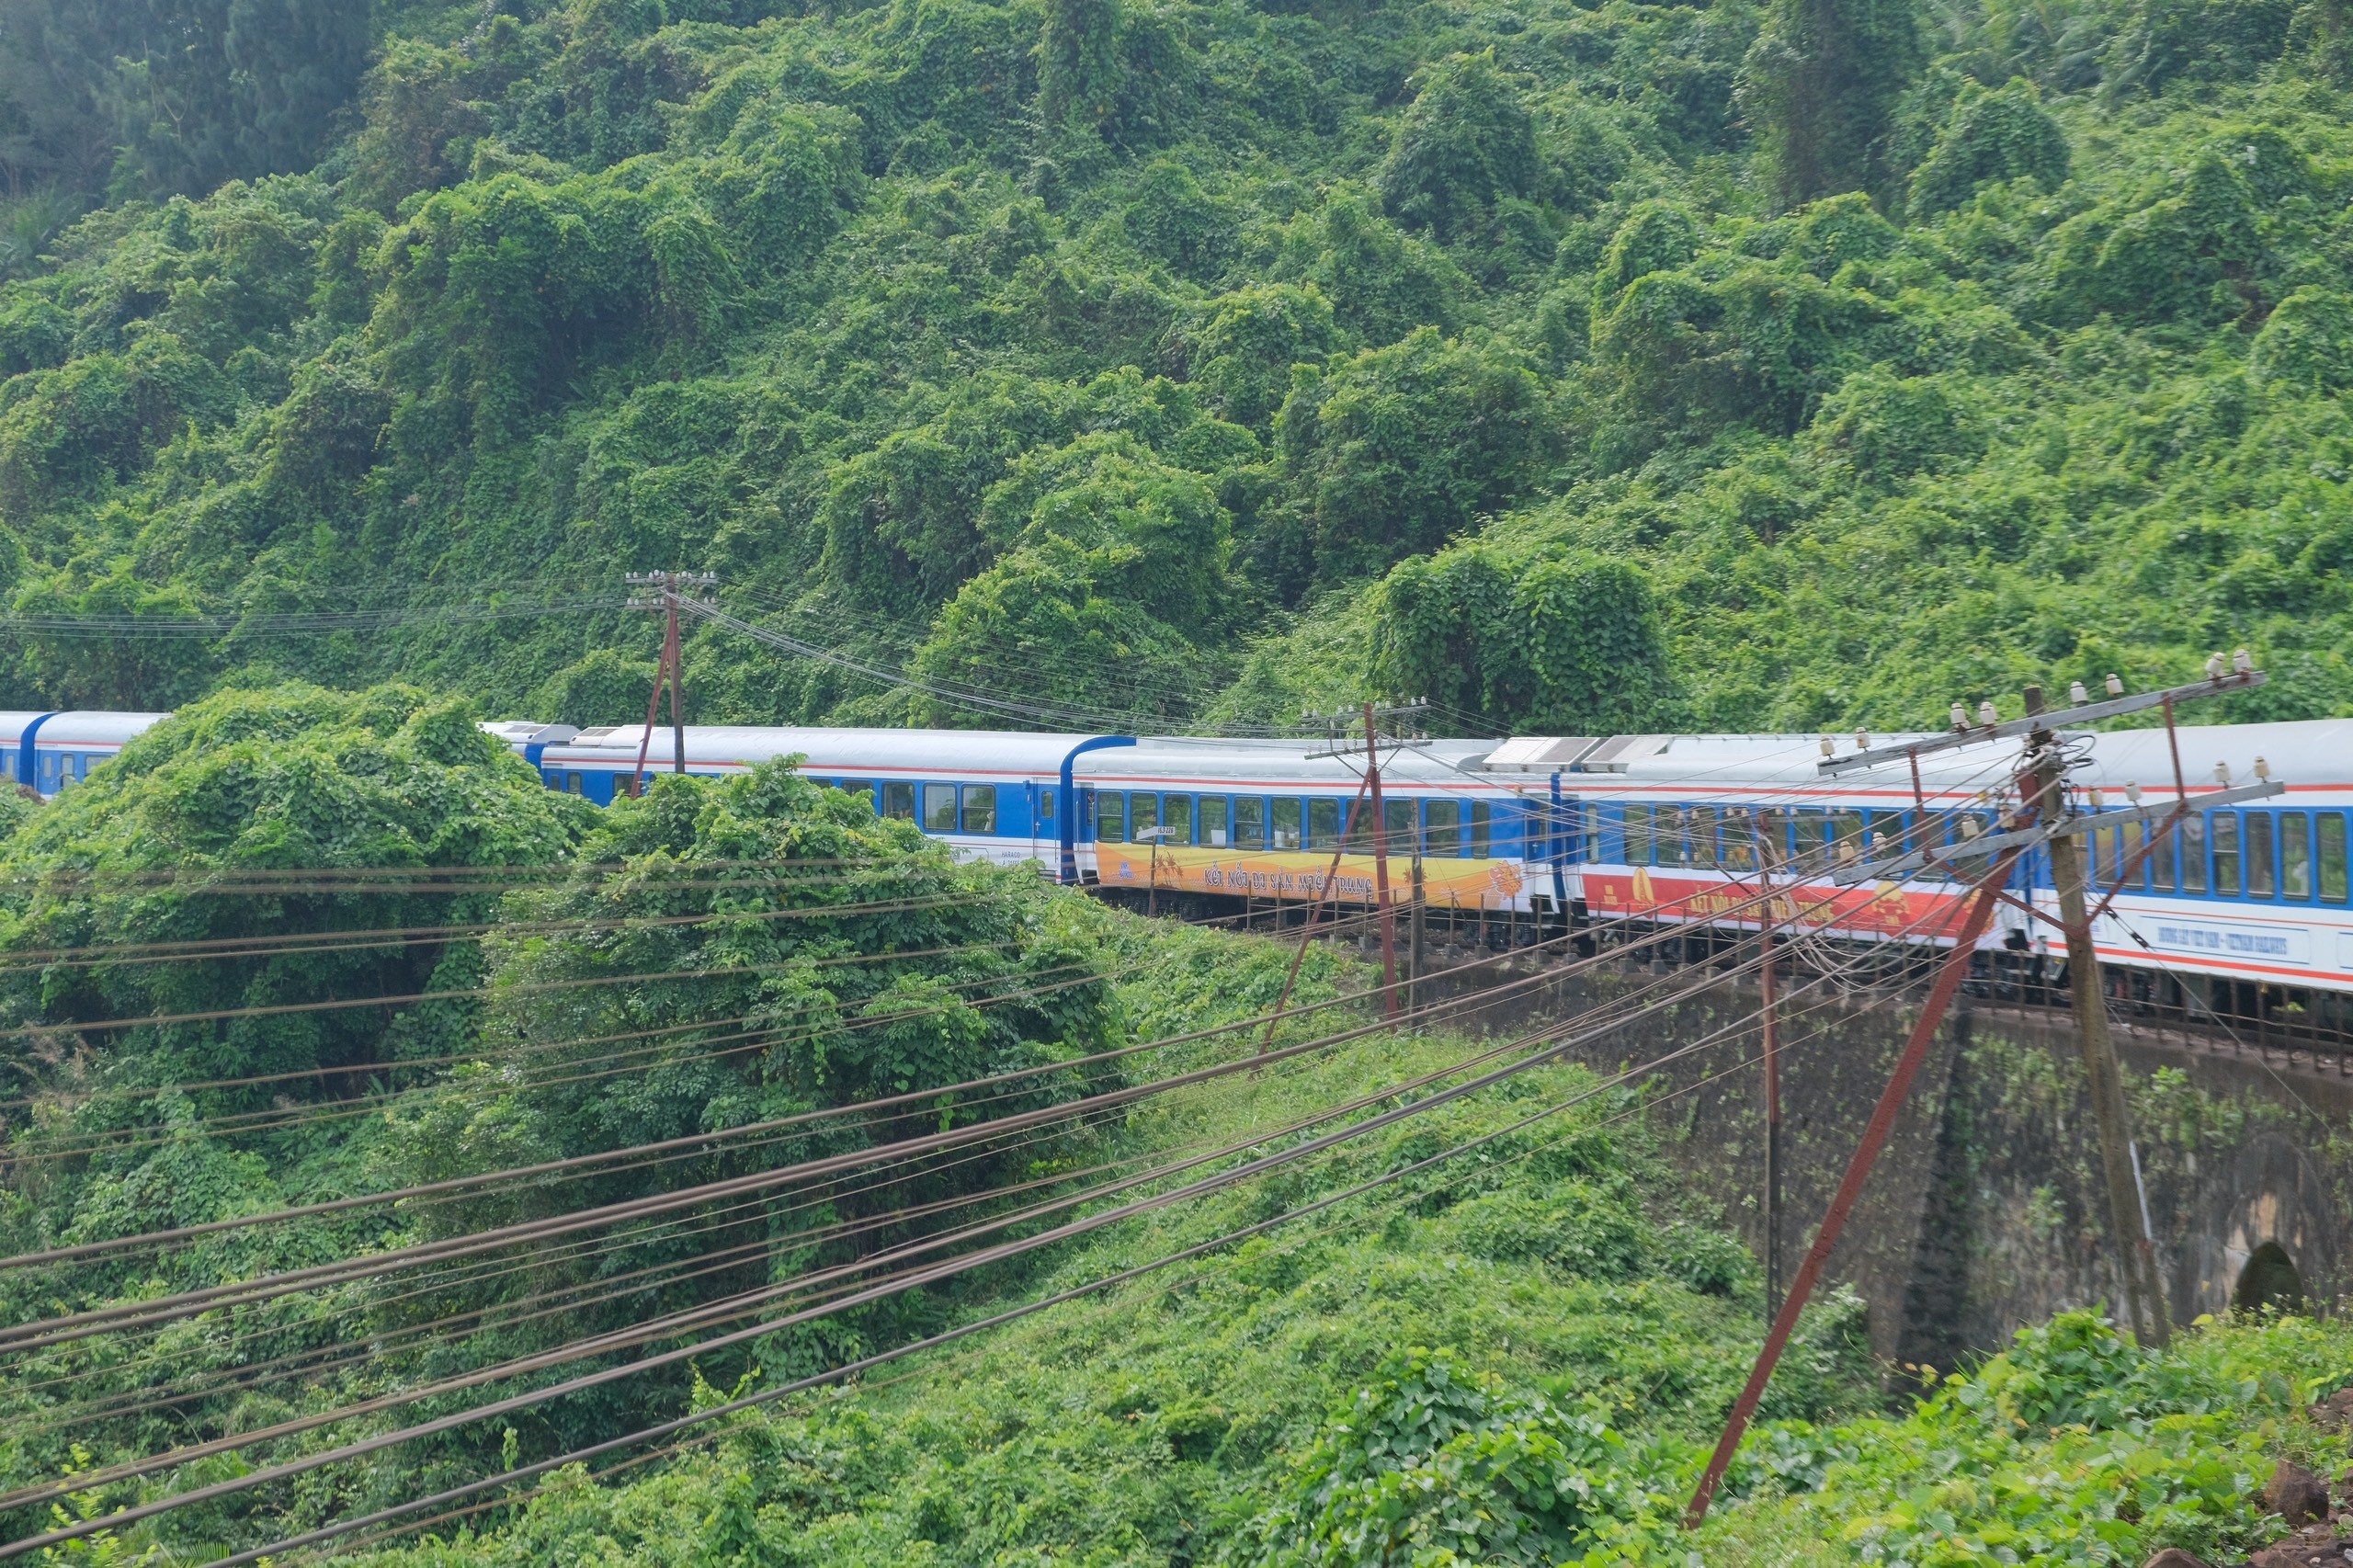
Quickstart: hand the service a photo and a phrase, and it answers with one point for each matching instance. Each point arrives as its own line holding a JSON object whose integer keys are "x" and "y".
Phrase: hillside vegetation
{"x": 1578, "y": 366}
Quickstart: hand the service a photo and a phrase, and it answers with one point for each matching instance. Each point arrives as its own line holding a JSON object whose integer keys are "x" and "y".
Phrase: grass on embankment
{"x": 1271, "y": 1403}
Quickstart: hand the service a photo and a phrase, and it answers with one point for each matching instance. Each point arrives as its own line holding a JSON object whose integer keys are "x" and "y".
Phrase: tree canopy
{"x": 1121, "y": 352}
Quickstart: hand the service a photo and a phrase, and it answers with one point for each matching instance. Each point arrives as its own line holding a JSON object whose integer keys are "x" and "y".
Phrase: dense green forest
{"x": 1577, "y": 365}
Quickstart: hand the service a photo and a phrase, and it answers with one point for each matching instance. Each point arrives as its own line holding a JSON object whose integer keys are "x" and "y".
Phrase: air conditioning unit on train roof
{"x": 1574, "y": 754}
{"x": 1540, "y": 754}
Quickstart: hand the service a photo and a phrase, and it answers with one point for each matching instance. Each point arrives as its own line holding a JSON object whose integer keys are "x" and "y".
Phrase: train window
{"x": 1284, "y": 828}
{"x": 48, "y": 768}
{"x": 1217, "y": 814}
{"x": 2193, "y": 837}
{"x": 1966, "y": 826}
{"x": 1045, "y": 808}
{"x": 1323, "y": 823}
{"x": 1398, "y": 826}
{"x": 574, "y": 784}
{"x": 1671, "y": 833}
{"x": 1847, "y": 835}
{"x": 2262, "y": 868}
{"x": 1178, "y": 819}
{"x": 980, "y": 808}
{"x": 2163, "y": 857}
{"x": 1639, "y": 835}
{"x": 1445, "y": 828}
{"x": 2262, "y": 855}
{"x": 1110, "y": 817}
{"x": 1249, "y": 822}
{"x": 1740, "y": 839}
{"x": 1703, "y": 836}
{"x": 2295, "y": 856}
{"x": 2225, "y": 830}
{"x": 899, "y": 802}
{"x": 1812, "y": 834}
{"x": 2332, "y": 858}
{"x": 939, "y": 808}
{"x": 1482, "y": 825}
{"x": 2129, "y": 866}
{"x": 2099, "y": 850}
{"x": 1143, "y": 814}
{"x": 1773, "y": 833}
{"x": 857, "y": 787}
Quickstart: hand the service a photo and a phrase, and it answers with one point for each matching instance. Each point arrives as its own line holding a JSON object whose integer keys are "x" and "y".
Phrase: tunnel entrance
{"x": 2269, "y": 1281}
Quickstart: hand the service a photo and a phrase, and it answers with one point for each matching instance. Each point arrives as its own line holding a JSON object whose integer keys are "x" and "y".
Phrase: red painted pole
{"x": 1859, "y": 1170}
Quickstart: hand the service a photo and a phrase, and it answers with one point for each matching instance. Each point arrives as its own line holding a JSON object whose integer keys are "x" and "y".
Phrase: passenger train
{"x": 1557, "y": 831}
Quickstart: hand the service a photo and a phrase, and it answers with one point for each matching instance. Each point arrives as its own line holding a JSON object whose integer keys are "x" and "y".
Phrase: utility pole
{"x": 2043, "y": 777}
{"x": 2144, "y": 1294}
{"x": 1979, "y": 910}
{"x": 670, "y": 588}
{"x": 1380, "y": 865}
{"x": 1335, "y": 728}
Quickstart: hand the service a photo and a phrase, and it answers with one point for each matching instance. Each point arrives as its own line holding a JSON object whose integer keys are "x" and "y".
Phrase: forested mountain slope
{"x": 1577, "y": 366}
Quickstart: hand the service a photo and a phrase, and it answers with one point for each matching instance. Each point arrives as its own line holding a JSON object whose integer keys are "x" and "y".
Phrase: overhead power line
{"x": 116, "y": 628}
{"x": 721, "y": 1312}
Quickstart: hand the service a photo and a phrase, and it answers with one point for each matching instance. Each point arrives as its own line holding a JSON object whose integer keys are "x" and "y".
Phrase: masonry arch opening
{"x": 2269, "y": 1283}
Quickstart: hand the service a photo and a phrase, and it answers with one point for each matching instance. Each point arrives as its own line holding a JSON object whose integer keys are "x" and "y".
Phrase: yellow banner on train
{"x": 1447, "y": 884}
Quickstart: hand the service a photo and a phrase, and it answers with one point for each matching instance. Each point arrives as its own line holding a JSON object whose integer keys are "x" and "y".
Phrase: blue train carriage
{"x": 1261, "y": 819}
{"x": 52, "y": 752}
{"x": 993, "y": 795}
{"x": 1673, "y": 829}
{"x": 2256, "y": 892}
{"x": 1223, "y": 818}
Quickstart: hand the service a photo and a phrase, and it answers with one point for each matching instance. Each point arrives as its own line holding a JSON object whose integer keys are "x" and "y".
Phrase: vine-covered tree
{"x": 1821, "y": 86}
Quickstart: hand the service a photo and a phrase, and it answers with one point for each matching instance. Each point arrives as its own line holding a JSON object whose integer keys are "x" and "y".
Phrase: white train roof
{"x": 912, "y": 752}
{"x": 2311, "y": 752}
{"x": 93, "y": 728}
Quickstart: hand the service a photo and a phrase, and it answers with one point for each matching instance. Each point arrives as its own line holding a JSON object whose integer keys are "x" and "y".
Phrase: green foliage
{"x": 1465, "y": 144}
{"x": 2306, "y": 342}
{"x": 1821, "y": 84}
{"x": 1241, "y": 357}
{"x": 762, "y": 947}
{"x": 2001, "y": 135}
{"x": 1959, "y": 350}
{"x": 2074, "y": 1447}
{"x": 1434, "y": 1465}
{"x": 1554, "y": 644}
{"x": 164, "y": 96}
{"x": 1395, "y": 449}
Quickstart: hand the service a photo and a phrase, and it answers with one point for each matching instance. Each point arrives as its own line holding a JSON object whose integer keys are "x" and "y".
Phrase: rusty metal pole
{"x": 2136, "y": 1257}
{"x": 1859, "y": 1170}
{"x": 1415, "y": 922}
{"x": 1772, "y": 1087}
{"x": 1380, "y": 867}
